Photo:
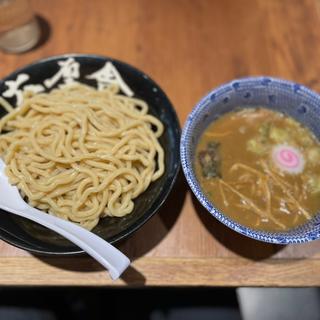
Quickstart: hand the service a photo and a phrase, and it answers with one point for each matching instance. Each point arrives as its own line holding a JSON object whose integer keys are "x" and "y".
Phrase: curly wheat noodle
{"x": 81, "y": 154}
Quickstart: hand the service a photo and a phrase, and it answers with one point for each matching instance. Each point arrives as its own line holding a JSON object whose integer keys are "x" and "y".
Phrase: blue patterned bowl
{"x": 290, "y": 98}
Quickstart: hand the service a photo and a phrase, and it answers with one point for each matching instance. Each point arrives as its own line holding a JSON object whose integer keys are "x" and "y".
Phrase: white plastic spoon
{"x": 109, "y": 256}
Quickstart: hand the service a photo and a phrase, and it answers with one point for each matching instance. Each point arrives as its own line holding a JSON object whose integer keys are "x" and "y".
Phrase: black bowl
{"x": 30, "y": 236}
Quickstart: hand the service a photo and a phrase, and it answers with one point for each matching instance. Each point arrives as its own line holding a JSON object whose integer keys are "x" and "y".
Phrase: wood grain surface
{"x": 188, "y": 47}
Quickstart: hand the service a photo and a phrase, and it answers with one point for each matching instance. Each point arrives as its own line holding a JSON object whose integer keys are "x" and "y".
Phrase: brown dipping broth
{"x": 235, "y": 168}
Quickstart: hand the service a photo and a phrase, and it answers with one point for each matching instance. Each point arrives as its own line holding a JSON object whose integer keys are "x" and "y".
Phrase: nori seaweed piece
{"x": 210, "y": 160}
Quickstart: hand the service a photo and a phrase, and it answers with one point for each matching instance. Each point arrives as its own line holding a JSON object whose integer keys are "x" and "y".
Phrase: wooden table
{"x": 188, "y": 47}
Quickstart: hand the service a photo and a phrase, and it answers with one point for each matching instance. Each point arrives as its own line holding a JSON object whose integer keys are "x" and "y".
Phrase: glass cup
{"x": 19, "y": 29}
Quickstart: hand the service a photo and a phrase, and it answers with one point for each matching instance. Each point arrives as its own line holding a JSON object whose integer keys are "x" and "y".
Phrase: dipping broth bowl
{"x": 290, "y": 98}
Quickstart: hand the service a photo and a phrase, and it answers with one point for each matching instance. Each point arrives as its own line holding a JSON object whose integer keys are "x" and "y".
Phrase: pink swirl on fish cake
{"x": 288, "y": 159}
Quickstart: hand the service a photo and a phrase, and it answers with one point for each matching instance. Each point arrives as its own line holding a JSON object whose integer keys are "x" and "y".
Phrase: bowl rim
{"x": 282, "y": 238}
{"x": 164, "y": 193}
